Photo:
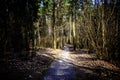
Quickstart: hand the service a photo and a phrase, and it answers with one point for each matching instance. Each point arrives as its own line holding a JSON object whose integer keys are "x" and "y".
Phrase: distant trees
{"x": 26, "y": 24}
{"x": 101, "y": 28}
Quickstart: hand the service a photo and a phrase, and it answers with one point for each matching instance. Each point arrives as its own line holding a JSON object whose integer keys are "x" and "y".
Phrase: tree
{"x": 16, "y": 18}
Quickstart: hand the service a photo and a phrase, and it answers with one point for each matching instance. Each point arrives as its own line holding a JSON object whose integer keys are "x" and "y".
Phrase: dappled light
{"x": 59, "y": 39}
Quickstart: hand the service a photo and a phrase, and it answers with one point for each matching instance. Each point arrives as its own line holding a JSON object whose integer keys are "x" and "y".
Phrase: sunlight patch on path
{"x": 65, "y": 55}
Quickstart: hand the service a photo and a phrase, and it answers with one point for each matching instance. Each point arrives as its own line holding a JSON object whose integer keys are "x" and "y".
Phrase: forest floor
{"x": 27, "y": 67}
{"x": 87, "y": 66}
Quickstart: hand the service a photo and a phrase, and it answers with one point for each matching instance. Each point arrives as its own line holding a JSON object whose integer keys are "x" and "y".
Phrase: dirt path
{"x": 61, "y": 69}
{"x": 86, "y": 66}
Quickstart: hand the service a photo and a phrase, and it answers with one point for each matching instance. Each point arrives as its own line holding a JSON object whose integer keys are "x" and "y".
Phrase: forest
{"x": 31, "y": 25}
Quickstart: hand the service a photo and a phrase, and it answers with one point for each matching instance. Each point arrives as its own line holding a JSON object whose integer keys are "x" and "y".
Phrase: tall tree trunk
{"x": 53, "y": 25}
{"x": 103, "y": 34}
{"x": 70, "y": 26}
{"x": 73, "y": 24}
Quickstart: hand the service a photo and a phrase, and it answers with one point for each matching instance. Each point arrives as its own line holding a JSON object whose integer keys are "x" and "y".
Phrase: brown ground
{"x": 27, "y": 66}
{"x": 88, "y": 67}
{"x": 32, "y": 68}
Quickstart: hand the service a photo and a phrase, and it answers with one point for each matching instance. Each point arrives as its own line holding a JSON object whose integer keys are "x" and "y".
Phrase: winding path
{"x": 61, "y": 68}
